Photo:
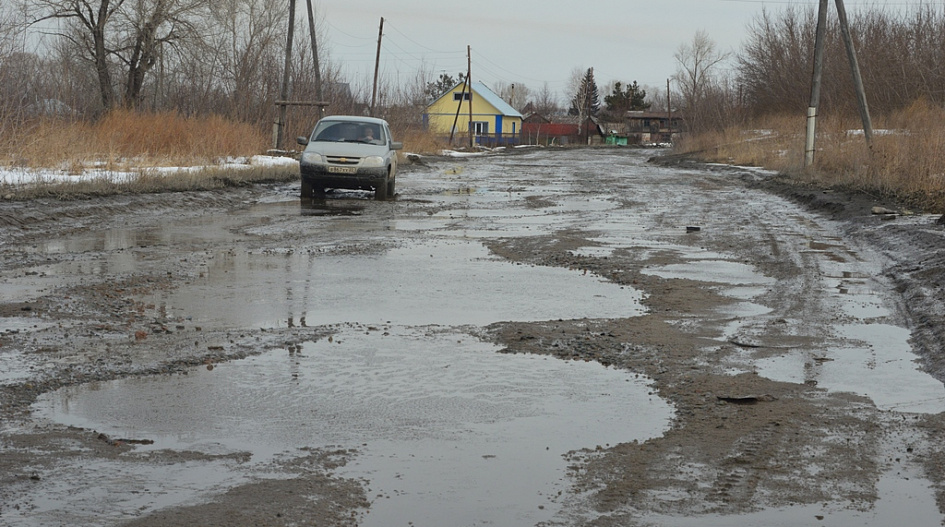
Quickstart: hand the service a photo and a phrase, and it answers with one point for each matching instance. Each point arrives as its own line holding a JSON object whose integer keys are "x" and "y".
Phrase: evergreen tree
{"x": 586, "y": 102}
{"x": 633, "y": 98}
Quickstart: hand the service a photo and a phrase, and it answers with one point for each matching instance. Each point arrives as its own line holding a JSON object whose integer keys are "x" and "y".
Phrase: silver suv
{"x": 349, "y": 152}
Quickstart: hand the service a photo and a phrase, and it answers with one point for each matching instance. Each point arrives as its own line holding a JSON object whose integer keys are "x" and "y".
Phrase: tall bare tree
{"x": 85, "y": 23}
{"x": 698, "y": 78}
{"x": 120, "y": 35}
{"x": 545, "y": 102}
{"x": 145, "y": 29}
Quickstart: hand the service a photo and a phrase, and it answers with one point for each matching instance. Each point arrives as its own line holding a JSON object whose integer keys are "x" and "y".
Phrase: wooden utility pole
{"x": 469, "y": 80}
{"x": 818, "y": 75}
{"x": 459, "y": 107}
{"x": 855, "y": 70}
{"x": 669, "y": 111}
{"x": 279, "y": 127}
{"x": 318, "y": 70}
{"x": 377, "y": 66}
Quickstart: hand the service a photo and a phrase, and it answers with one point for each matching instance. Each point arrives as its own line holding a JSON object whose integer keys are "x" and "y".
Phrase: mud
{"x": 758, "y": 298}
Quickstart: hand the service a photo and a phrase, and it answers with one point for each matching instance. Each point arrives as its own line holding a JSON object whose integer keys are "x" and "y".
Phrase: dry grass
{"x": 419, "y": 141}
{"x": 134, "y": 142}
{"x": 125, "y": 138}
{"x": 906, "y": 162}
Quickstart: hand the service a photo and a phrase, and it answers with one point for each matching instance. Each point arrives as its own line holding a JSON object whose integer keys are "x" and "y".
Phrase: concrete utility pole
{"x": 816, "y": 83}
{"x": 818, "y": 76}
{"x": 377, "y": 66}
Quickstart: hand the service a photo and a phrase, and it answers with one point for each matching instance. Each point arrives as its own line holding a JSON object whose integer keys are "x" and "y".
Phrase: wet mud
{"x": 795, "y": 337}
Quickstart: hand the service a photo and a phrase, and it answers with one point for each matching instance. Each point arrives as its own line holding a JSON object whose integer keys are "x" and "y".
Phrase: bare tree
{"x": 86, "y": 25}
{"x": 515, "y": 94}
{"x": 120, "y": 35}
{"x": 545, "y": 102}
{"x": 244, "y": 52}
{"x": 656, "y": 97}
{"x": 698, "y": 79}
{"x": 145, "y": 29}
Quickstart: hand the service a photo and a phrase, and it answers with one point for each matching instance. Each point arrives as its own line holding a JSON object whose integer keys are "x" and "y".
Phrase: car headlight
{"x": 311, "y": 158}
{"x": 372, "y": 161}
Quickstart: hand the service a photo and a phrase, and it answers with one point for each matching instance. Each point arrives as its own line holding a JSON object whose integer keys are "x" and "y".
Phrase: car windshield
{"x": 349, "y": 131}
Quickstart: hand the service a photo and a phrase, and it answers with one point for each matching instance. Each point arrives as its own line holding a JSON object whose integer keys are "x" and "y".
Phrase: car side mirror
{"x": 302, "y": 140}
{"x": 396, "y": 145}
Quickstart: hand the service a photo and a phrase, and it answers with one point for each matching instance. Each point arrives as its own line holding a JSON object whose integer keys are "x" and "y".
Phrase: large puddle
{"x": 446, "y": 282}
{"x": 443, "y": 423}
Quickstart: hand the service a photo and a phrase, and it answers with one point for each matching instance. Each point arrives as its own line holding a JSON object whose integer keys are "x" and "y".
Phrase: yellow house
{"x": 494, "y": 121}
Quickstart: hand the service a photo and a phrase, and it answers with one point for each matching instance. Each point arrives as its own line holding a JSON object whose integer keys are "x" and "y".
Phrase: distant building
{"x": 494, "y": 122}
{"x": 540, "y": 130}
{"x": 648, "y": 127}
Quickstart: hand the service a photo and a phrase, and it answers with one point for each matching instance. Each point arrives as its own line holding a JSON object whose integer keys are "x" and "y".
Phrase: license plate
{"x": 342, "y": 170}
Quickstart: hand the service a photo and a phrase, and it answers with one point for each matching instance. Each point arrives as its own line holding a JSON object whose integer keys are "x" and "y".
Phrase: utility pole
{"x": 816, "y": 83}
{"x": 855, "y": 70}
{"x": 818, "y": 75}
{"x": 318, "y": 70}
{"x": 278, "y": 132}
{"x": 469, "y": 80}
{"x": 459, "y": 107}
{"x": 377, "y": 65}
{"x": 669, "y": 111}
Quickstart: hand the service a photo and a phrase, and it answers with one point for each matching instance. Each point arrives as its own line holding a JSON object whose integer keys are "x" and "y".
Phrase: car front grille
{"x": 339, "y": 160}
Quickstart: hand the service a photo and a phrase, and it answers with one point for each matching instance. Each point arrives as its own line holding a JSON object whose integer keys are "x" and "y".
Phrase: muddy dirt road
{"x": 556, "y": 338}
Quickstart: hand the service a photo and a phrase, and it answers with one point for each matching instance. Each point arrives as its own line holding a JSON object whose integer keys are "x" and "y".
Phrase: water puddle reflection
{"x": 440, "y": 282}
{"x": 443, "y": 423}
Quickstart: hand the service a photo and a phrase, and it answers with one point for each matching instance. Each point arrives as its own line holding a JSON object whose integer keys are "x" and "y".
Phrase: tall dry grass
{"x": 906, "y": 161}
{"x": 419, "y": 141}
{"x": 125, "y": 138}
{"x": 128, "y": 141}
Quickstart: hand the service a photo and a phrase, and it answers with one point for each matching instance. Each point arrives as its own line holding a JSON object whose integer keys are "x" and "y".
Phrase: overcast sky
{"x": 531, "y": 42}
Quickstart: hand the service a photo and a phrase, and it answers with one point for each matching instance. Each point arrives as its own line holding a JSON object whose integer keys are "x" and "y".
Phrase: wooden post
{"x": 669, "y": 112}
{"x": 280, "y": 121}
{"x": 459, "y": 107}
{"x": 469, "y": 80}
{"x": 816, "y": 83}
{"x": 316, "y": 65}
{"x": 857, "y": 78}
{"x": 377, "y": 65}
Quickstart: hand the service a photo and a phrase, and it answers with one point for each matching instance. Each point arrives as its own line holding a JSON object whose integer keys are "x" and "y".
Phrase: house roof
{"x": 648, "y": 114}
{"x": 489, "y": 96}
{"x": 493, "y": 99}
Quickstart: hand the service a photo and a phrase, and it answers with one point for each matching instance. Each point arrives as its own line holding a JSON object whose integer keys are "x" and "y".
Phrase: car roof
{"x": 354, "y": 118}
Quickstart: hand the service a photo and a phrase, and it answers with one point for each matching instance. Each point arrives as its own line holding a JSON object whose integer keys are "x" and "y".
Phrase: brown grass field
{"x": 906, "y": 161}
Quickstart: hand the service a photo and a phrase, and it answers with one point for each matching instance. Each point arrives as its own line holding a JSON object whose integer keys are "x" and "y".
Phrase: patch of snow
{"x": 454, "y": 153}
{"x": 14, "y": 176}
{"x": 878, "y": 132}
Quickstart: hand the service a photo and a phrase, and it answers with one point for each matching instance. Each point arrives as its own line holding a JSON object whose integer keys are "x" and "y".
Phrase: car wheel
{"x": 390, "y": 187}
{"x": 306, "y": 192}
{"x": 380, "y": 191}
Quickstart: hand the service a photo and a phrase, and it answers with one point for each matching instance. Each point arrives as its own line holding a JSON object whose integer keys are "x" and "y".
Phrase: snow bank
{"x": 25, "y": 176}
